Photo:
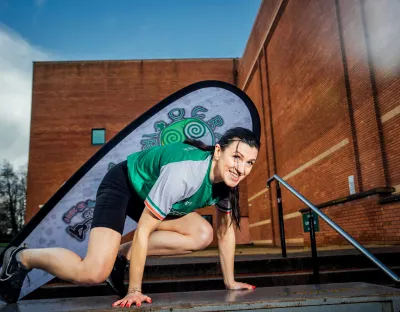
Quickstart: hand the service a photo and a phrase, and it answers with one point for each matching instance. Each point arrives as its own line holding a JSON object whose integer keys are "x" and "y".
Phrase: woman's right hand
{"x": 132, "y": 298}
{"x": 147, "y": 225}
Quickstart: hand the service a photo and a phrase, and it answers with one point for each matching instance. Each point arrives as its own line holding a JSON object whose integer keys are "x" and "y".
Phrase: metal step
{"x": 172, "y": 267}
{"x": 354, "y": 297}
{"x": 175, "y": 274}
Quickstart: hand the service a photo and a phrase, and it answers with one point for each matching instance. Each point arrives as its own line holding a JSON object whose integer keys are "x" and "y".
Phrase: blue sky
{"x": 126, "y": 29}
{"x": 52, "y": 30}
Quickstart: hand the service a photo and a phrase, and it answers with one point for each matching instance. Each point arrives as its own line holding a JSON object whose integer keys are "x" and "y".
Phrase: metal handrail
{"x": 337, "y": 228}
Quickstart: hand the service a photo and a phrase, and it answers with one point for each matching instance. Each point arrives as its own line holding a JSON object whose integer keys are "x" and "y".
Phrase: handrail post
{"x": 281, "y": 222}
{"x": 313, "y": 249}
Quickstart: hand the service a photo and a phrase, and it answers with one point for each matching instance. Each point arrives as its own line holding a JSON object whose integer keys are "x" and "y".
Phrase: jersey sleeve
{"x": 168, "y": 189}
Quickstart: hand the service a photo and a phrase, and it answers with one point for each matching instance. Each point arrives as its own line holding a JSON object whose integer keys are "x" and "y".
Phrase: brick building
{"x": 325, "y": 77}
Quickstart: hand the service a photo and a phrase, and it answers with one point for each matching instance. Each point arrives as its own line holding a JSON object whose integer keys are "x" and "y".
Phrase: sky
{"x": 60, "y": 30}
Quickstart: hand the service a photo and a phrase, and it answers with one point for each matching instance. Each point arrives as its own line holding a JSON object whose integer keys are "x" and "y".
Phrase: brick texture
{"x": 264, "y": 19}
{"x": 383, "y": 30}
{"x": 365, "y": 220}
{"x": 324, "y": 77}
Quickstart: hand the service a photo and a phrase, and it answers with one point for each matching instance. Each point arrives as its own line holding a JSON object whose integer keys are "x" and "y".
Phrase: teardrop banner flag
{"x": 201, "y": 111}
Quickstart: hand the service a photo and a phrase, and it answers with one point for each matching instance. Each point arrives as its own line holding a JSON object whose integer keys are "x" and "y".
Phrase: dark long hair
{"x": 237, "y": 134}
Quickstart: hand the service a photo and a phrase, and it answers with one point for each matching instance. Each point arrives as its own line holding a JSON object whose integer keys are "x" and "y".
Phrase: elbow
{"x": 220, "y": 236}
{"x": 142, "y": 233}
{"x": 221, "y": 231}
{"x": 226, "y": 233}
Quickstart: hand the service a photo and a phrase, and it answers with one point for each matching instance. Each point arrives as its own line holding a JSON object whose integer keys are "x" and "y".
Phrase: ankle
{"x": 23, "y": 259}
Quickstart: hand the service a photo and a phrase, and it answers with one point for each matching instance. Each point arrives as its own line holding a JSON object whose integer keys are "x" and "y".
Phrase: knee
{"x": 94, "y": 275}
{"x": 204, "y": 236}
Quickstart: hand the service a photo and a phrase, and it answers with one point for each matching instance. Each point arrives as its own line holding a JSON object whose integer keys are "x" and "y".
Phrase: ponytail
{"x": 200, "y": 145}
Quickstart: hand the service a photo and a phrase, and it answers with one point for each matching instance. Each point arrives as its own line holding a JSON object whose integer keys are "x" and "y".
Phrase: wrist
{"x": 229, "y": 284}
{"x": 132, "y": 290}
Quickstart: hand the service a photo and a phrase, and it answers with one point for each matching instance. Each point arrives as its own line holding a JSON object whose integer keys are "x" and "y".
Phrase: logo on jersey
{"x": 181, "y": 128}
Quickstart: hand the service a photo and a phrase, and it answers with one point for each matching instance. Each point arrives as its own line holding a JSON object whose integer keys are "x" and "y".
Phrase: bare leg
{"x": 67, "y": 265}
{"x": 176, "y": 237}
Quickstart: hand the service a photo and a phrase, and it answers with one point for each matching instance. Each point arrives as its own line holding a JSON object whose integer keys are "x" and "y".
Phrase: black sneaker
{"x": 117, "y": 276}
{"x": 12, "y": 275}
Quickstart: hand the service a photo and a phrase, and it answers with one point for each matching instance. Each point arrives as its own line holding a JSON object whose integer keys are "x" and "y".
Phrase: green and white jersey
{"x": 174, "y": 179}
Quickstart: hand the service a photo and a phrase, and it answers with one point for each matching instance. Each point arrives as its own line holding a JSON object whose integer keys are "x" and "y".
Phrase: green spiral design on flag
{"x": 172, "y": 136}
{"x": 194, "y": 129}
{"x": 190, "y": 128}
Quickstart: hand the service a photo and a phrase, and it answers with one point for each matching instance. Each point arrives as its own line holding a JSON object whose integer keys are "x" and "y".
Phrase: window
{"x": 98, "y": 136}
{"x": 209, "y": 218}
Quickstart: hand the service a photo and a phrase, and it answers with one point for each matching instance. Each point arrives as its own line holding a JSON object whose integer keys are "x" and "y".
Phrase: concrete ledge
{"x": 342, "y": 200}
{"x": 325, "y": 297}
{"x": 389, "y": 199}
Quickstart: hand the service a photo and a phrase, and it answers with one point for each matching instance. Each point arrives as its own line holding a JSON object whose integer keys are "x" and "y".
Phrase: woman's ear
{"x": 217, "y": 151}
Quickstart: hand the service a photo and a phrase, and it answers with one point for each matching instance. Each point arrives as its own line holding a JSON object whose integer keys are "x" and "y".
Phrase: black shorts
{"x": 116, "y": 199}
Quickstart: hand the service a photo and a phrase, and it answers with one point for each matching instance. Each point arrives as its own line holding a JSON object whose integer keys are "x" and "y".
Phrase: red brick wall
{"x": 259, "y": 207}
{"x": 383, "y": 29}
{"x": 266, "y": 14}
{"x": 324, "y": 75}
{"x": 308, "y": 99}
{"x": 365, "y": 119}
{"x": 367, "y": 221}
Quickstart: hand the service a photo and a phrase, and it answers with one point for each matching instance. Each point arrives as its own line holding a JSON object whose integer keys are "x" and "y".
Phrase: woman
{"x": 172, "y": 181}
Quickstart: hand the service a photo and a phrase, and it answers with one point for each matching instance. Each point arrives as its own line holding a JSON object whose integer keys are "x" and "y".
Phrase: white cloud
{"x": 16, "y": 57}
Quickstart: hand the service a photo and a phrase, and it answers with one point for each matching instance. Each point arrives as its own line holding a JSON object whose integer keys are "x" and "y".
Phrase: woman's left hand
{"x": 238, "y": 285}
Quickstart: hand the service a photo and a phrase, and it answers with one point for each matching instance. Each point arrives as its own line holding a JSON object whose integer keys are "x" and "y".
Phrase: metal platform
{"x": 354, "y": 297}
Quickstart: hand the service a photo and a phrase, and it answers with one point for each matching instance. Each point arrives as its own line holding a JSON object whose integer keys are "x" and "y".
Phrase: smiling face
{"x": 232, "y": 164}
